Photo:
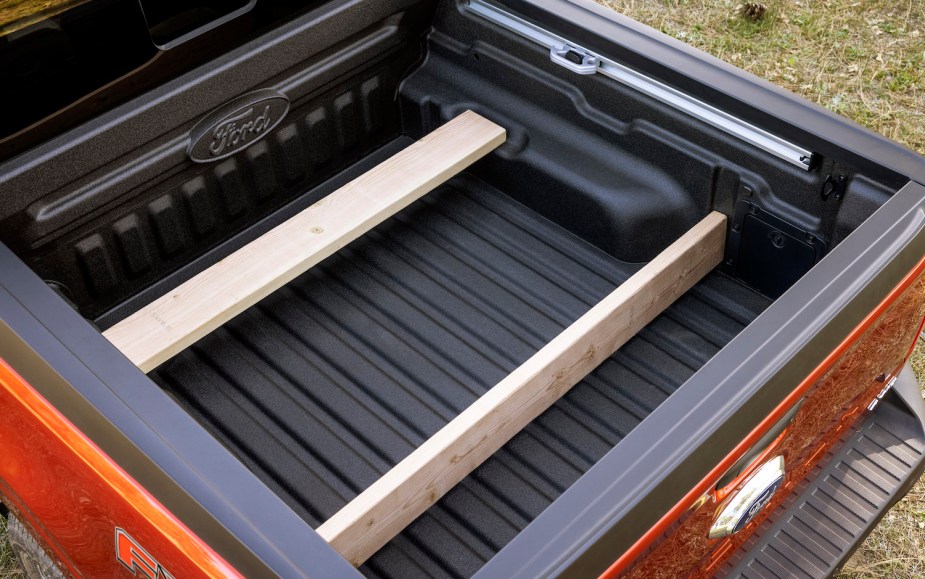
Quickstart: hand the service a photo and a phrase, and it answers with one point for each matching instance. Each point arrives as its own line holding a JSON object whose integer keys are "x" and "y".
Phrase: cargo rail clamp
{"x": 175, "y": 321}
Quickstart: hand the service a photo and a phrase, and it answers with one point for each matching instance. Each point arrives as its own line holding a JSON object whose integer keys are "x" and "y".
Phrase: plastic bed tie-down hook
{"x": 574, "y": 59}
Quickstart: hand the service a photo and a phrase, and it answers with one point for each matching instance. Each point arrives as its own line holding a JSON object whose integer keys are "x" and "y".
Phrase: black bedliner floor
{"x": 332, "y": 380}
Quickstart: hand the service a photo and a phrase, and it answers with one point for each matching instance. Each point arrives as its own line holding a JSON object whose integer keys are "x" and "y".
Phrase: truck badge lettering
{"x": 136, "y": 559}
{"x": 236, "y": 125}
{"x": 230, "y": 133}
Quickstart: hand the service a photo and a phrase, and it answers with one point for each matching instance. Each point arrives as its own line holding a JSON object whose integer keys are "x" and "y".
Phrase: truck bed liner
{"x": 332, "y": 380}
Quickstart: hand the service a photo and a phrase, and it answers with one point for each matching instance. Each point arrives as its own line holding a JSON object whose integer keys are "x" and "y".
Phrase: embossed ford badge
{"x": 236, "y": 125}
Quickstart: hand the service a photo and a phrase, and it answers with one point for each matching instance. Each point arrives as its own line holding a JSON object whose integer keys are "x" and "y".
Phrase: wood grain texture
{"x": 175, "y": 321}
{"x": 405, "y": 492}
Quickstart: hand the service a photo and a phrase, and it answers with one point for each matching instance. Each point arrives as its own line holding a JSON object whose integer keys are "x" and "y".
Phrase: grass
{"x": 864, "y": 59}
{"x": 9, "y": 566}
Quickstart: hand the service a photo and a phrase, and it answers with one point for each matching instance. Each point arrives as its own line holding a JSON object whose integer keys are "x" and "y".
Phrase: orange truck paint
{"x": 691, "y": 504}
{"x": 74, "y": 497}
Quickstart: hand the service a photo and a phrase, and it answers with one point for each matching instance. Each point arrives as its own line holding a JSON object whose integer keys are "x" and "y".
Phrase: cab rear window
{"x": 63, "y": 62}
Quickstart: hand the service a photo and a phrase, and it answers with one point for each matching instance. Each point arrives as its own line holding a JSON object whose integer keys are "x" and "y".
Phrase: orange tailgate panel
{"x": 75, "y": 497}
{"x": 834, "y": 396}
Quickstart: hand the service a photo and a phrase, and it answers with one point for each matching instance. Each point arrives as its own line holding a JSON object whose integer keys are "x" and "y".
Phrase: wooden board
{"x": 165, "y": 327}
{"x": 405, "y": 492}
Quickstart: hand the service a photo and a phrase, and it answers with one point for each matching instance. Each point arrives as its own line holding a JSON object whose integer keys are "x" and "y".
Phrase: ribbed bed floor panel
{"x": 329, "y": 382}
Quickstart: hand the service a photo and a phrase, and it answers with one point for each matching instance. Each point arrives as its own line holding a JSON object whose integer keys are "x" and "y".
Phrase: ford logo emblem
{"x": 754, "y": 495}
{"x": 237, "y": 125}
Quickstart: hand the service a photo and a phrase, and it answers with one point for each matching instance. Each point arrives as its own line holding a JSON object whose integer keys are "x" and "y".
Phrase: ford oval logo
{"x": 236, "y": 125}
{"x": 754, "y": 495}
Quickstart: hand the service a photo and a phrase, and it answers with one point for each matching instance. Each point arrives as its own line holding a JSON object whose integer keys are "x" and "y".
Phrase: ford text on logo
{"x": 136, "y": 559}
{"x": 236, "y": 125}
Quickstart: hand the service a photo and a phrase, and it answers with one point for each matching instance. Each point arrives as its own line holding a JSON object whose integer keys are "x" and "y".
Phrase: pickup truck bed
{"x": 332, "y": 380}
{"x": 268, "y": 426}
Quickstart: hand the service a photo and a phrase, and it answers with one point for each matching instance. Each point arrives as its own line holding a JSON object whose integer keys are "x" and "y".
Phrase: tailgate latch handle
{"x": 575, "y": 59}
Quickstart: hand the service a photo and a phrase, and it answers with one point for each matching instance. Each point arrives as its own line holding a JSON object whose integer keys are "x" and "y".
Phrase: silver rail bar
{"x": 590, "y": 62}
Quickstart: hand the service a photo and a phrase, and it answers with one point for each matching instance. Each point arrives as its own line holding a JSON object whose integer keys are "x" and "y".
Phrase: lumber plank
{"x": 175, "y": 321}
{"x": 380, "y": 512}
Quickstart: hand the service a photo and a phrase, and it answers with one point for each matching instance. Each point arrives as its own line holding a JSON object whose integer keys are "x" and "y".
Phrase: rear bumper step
{"x": 815, "y": 531}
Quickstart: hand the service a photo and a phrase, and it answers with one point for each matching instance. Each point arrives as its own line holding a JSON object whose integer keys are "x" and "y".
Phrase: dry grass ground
{"x": 864, "y": 59}
{"x": 9, "y": 567}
